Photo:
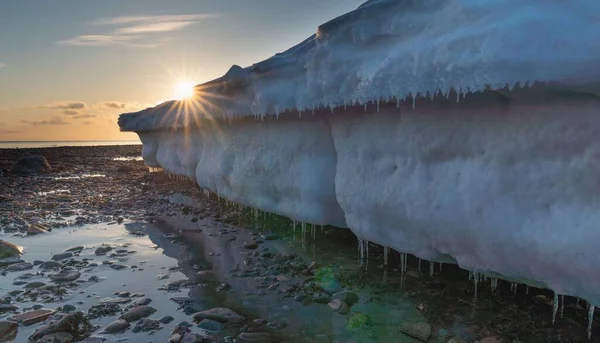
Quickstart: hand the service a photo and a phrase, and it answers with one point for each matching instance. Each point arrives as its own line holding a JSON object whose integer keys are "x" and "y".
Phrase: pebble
{"x": 221, "y": 314}
{"x": 166, "y": 319}
{"x": 10, "y": 260}
{"x": 65, "y": 276}
{"x": 102, "y": 250}
{"x": 138, "y": 312}
{"x": 62, "y": 256}
{"x": 211, "y": 325}
{"x": 117, "y": 326}
{"x": 142, "y": 301}
{"x": 420, "y": 331}
{"x": 17, "y": 267}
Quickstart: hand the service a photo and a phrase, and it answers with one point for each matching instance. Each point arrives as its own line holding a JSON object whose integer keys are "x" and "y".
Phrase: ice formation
{"x": 460, "y": 131}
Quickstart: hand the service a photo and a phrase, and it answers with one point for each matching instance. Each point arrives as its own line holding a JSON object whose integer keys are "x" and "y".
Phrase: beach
{"x": 130, "y": 254}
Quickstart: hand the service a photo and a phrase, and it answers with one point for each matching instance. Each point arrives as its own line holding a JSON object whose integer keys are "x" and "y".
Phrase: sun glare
{"x": 184, "y": 90}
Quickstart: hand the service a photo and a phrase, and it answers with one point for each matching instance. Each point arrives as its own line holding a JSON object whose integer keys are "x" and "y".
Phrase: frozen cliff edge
{"x": 461, "y": 131}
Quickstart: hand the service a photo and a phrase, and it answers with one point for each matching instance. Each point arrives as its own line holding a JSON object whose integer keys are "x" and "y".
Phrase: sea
{"x": 52, "y": 144}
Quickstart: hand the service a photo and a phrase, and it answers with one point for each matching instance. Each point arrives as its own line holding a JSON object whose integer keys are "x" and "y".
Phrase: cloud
{"x": 52, "y": 121}
{"x": 84, "y": 116}
{"x": 97, "y": 40}
{"x": 88, "y": 122}
{"x": 132, "y": 27}
{"x": 113, "y": 104}
{"x": 71, "y": 112}
{"x": 65, "y": 105}
{"x": 116, "y": 105}
{"x": 156, "y": 27}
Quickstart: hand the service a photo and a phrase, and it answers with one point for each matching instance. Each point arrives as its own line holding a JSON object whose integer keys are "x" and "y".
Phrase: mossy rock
{"x": 357, "y": 320}
{"x": 8, "y": 249}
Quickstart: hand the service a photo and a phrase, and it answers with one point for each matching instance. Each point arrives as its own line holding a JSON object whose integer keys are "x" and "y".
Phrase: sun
{"x": 184, "y": 90}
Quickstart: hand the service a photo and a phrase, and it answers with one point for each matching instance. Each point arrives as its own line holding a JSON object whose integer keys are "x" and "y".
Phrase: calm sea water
{"x": 51, "y": 144}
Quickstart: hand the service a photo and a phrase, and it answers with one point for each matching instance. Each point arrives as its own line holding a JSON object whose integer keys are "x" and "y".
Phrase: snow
{"x": 503, "y": 183}
{"x": 391, "y": 48}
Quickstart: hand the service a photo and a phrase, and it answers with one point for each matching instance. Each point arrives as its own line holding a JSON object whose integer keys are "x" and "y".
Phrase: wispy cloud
{"x": 71, "y": 112}
{"x": 52, "y": 121}
{"x": 134, "y": 27}
{"x": 97, "y": 40}
{"x": 84, "y": 116}
{"x": 65, "y": 105}
{"x": 116, "y": 105}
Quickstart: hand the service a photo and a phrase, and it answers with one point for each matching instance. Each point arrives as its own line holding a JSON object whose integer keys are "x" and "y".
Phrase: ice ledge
{"x": 399, "y": 50}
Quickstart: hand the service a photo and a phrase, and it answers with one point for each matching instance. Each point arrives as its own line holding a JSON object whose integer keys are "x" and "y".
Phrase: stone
{"x": 146, "y": 324}
{"x": 94, "y": 339}
{"x": 68, "y": 308}
{"x": 348, "y": 297}
{"x": 8, "y": 307}
{"x": 8, "y": 331}
{"x": 115, "y": 301}
{"x": 142, "y": 301}
{"x": 62, "y": 256}
{"x": 221, "y": 314}
{"x": 420, "y": 331}
{"x": 65, "y": 276}
{"x": 34, "y": 284}
{"x": 9, "y": 260}
{"x": 32, "y": 317}
{"x": 251, "y": 245}
{"x": 31, "y": 165}
{"x": 8, "y": 249}
{"x": 76, "y": 249}
{"x": 456, "y": 340}
{"x": 211, "y": 325}
{"x": 102, "y": 250}
{"x": 490, "y": 339}
{"x": 57, "y": 337}
{"x": 17, "y": 267}
{"x": 339, "y": 306}
{"x": 117, "y": 266}
{"x": 321, "y": 298}
{"x": 137, "y": 313}
{"x": 47, "y": 265}
{"x": 255, "y": 337}
{"x": 166, "y": 319}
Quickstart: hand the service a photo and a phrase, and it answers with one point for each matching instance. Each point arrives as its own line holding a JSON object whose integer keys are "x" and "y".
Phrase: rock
{"x": 117, "y": 266}
{"x": 102, "y": 310}
{"x": 358, "y": 320}
{"x": 255, "y": 337}
{"x": 76, "y": 249}
{"x": 62, "y": 256}
{"x": 166, "y": 319}
{"x": 93, "y": 339}
{"x": 57, "y": 337}
{"x": 31, "y": 165}
{"x": 456, "y": 340}
{"x": 34, "y": 284}
{"x": 321, "y": 298}
{"x": 142, "y": 301}
{"x": 65, "y": 276}
{"x": 211, "y": 325}
{"x": 8, "y": 249}
{"x": 348, "y": 297}
{"x": 17, "y": 267}
{"x": 146, "y": 324}
{"x": 221, "y": 314}
{"x": 68, "y": 308}
{"x": 489, "y": 340}
{"x": 102, "y": 250}
{"x": 32, "y": 317}
{"x": 420, "y": 331}
{"x": 50, "y": 265}
{"x": 339, "y": 306}
{"x": 8, "y": 307}
{"x": 8, "y": 331}
{"x": 251, "y": 245}
{"x": 115, "y": 301}
{"x": 9, "y": 260}
{"x": 138, "y": 312}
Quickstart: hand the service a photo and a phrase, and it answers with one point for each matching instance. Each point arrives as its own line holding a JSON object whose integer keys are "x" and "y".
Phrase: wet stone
{"x": 255, "y": 337}
{"x": 102, "y": 250}
{"x": 221, "y": 314}
{"x": 137, "y": 313}
{"x": 8, "y": 308}
{"x": 57, "y": 337}
{"x": 117, "y": 266}
{"x": 76, "y": 249}
{"x": 34, "y": 284}
{"x": 17, "y": 267}
{"x": 348, "y": 297}
{"x": 10, "y": 260}
{"x": 68, "y": 308}
{"x": 166, "y": 319}
{"x": 65, "y": 276}
{"x": 339, "y": 306}
{"x": 146, "y": 324}
{"x": 142, "y": 301}
{"x": 62, "y": 256}
{"x": 47, "y": 265}
{"x": 211, "y": 325}
{"x": 420, "y": 331}
{"x": 8, "y": 330}
{"x": 117, "y": 326}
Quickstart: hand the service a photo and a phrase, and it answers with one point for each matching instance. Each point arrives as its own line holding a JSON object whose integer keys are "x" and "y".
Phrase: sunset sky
{"x": 68, "y": 68}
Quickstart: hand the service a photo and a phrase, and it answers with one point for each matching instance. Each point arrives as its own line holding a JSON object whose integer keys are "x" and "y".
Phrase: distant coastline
{"x": 54, "y": 144}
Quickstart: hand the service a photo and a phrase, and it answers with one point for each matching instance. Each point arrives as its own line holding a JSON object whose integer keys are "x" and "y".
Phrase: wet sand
{"x": 169, "y": 240}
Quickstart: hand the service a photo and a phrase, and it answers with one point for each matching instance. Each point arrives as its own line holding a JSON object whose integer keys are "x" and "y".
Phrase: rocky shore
{"x": 94, "y": 248}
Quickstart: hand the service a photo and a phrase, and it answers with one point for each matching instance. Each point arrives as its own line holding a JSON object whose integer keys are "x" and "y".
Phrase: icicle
{"x": 397, "y": 103}
{"x": 476, "y": 281}
{"x": 377, "y": 105}
{"x": 385, "y": 255}
{"x": 313, "y": 110}
{"x": 526, "y": 290}
{"x": 365, "y": 106}
{"x": 414, "y": 101}
{"x": 431, "y": 265}
{"x": 591, "y": 310}
{"x": 294, "y": 227}
{"x": 441, "y": 264}
{"x": 515, "y": 289}
{"x": 577, "y": 303}
{"x": 419, "y": 264}
{"x": 562, "y": 305}
{"x": 554, "y": 307}
{"x": 494, "y": 284}
{"x": 345, "y": 105}
{"x": 299, "y": 114}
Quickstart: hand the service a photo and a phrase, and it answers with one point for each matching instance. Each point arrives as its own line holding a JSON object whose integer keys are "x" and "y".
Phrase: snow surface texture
{"x": 393, "y": 48}
{"x": 505, "y": 181}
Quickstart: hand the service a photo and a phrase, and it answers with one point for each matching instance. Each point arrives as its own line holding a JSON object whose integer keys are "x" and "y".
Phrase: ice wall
{"x": 399, "y": 120}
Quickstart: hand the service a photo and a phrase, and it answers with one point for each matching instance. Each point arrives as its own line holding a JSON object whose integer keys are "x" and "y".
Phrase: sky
{"x": 68, "y": 68}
